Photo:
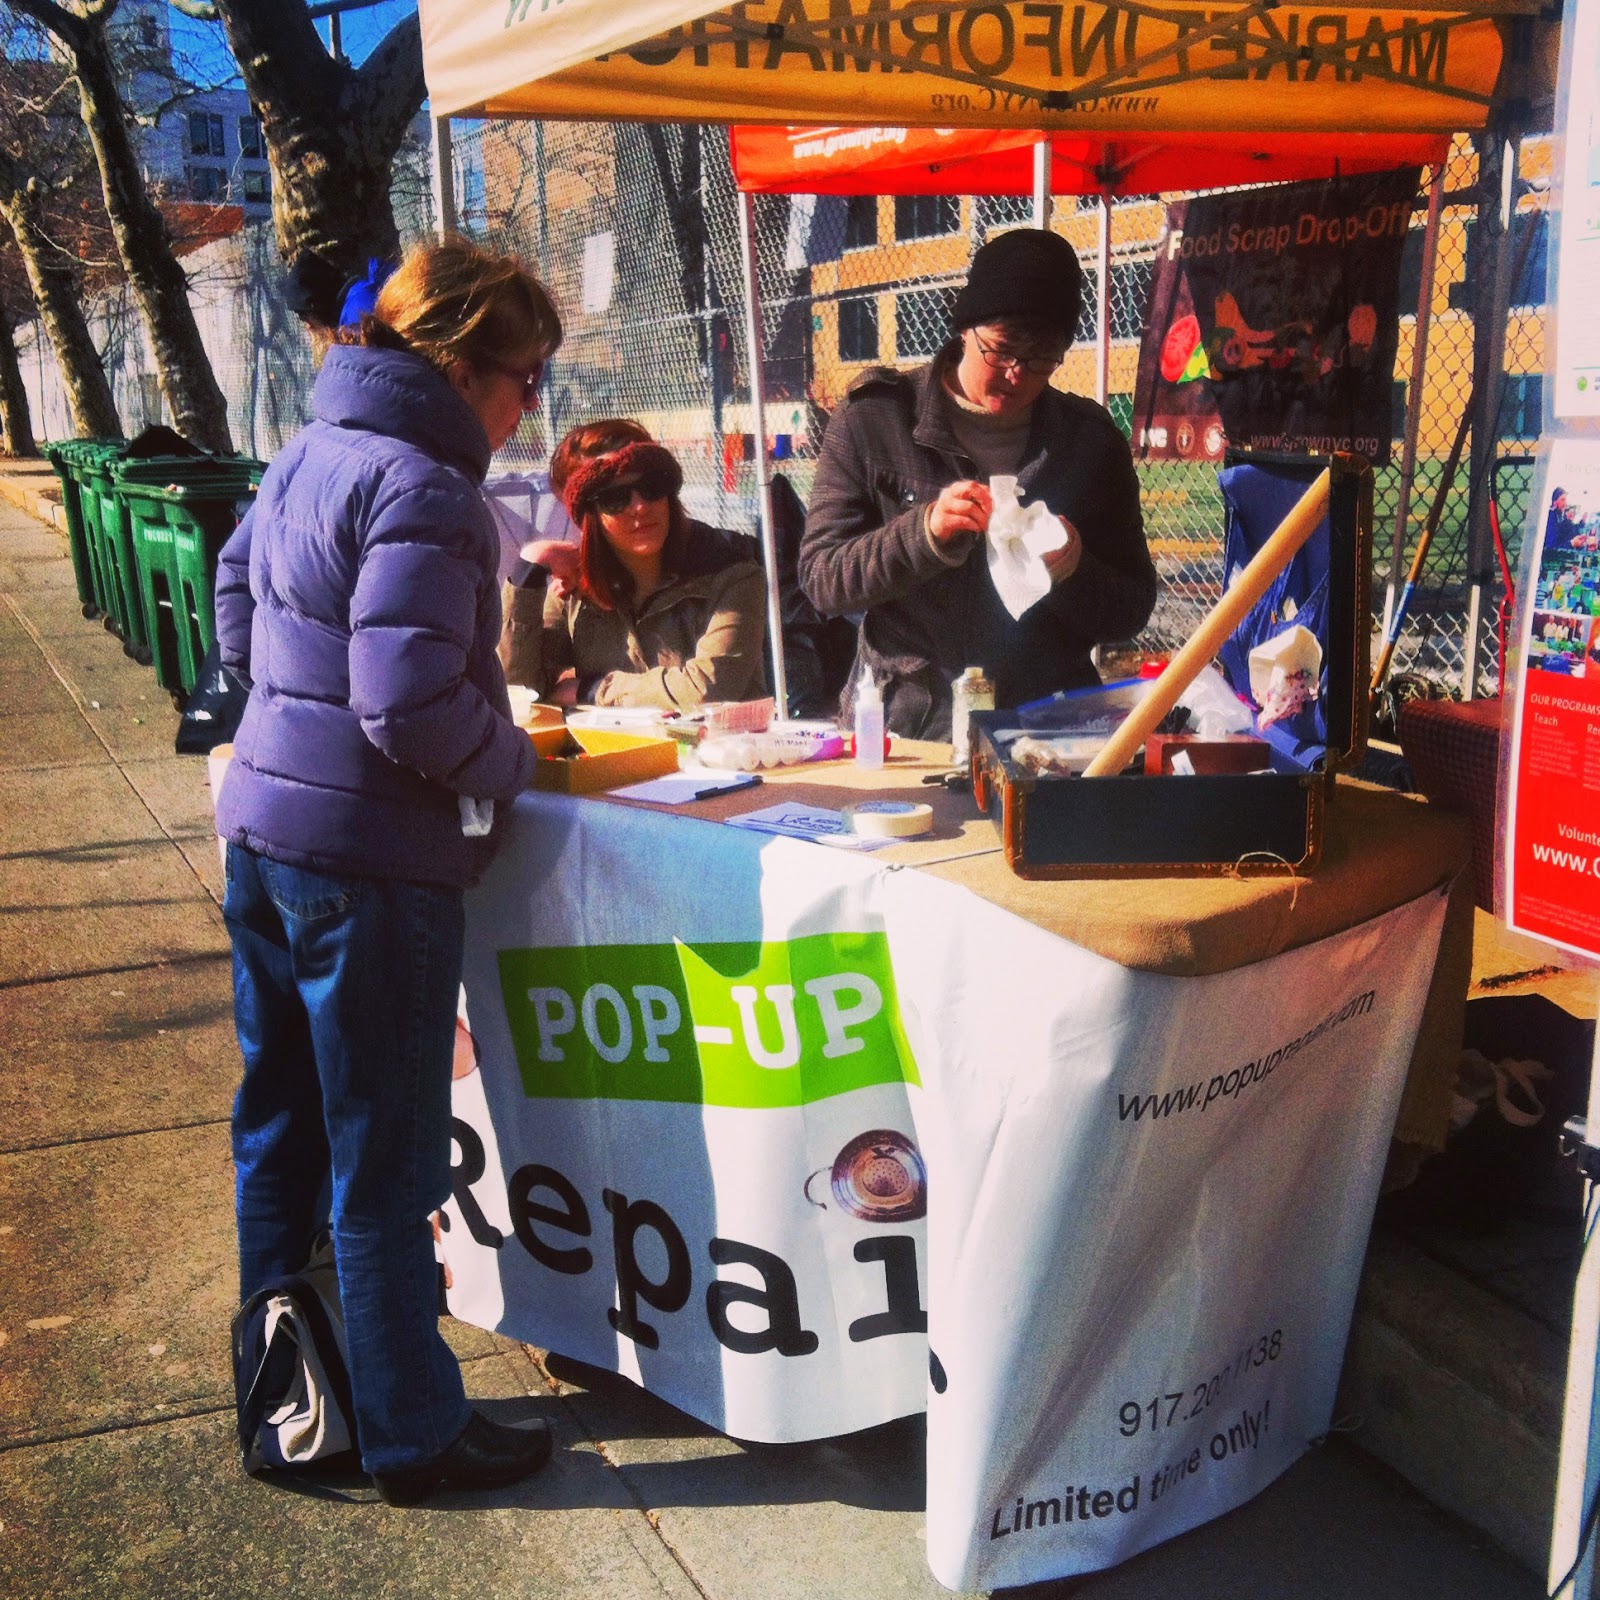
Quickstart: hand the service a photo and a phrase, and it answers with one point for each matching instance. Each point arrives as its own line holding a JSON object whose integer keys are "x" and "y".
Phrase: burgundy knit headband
{"x": 600, "y": 472}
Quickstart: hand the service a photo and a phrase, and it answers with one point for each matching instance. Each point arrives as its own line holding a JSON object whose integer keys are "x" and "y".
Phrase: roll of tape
{"x": 889, "y": 819}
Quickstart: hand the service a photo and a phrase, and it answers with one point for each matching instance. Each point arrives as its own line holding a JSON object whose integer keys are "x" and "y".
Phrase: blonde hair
{"x": 453, "y": 301}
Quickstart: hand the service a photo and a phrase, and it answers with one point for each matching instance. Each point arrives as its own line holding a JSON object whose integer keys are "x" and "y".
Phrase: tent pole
{"x": 1041, "y": 182}
{"x": 1572, "y": 1546}
{"x": 444, "y": 177}
{"x": 1102, "y": 372}
{"x": 758, "y": 407}
{"x": 1419, "y": 354}
{"x": 1491, "y": 312}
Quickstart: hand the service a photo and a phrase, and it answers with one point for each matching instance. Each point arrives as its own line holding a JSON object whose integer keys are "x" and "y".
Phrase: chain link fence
{"x": 636, "y": 230}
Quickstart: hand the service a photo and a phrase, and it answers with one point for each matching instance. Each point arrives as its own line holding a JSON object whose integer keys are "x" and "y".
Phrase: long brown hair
{"x": 452, "y": 301}
{"x": 602, "y": 578}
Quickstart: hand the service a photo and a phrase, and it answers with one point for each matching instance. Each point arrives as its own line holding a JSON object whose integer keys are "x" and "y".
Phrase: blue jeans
{"x": 344, "y": 994}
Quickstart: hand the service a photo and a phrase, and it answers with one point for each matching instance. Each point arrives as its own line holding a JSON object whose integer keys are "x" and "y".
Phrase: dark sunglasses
{"x": 530, "y": 380}
{"x": 653, "y": 485}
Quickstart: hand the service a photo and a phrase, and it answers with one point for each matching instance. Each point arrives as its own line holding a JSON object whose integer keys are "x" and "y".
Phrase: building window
{"x": 205, "y": 134}
{"x": 1522, "y": 406}
{"x": 1529, "y": 290}
{"x": 1411, "y": 272}
{"x": 252, "y": 146}
{"x": 208, "y": 183}
{"x": 861, "y": 222}
{"x": 1130, "y": 290}
{"x": 858, "y": 330}
{"x": 922, "y": 322}
{"x": 926, "y": 216}
{"x": 999, "y": 212}
{"x": 257, "y": 187}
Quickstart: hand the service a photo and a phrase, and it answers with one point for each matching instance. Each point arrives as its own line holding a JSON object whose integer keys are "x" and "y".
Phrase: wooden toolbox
{"x": 1260, "y": 822}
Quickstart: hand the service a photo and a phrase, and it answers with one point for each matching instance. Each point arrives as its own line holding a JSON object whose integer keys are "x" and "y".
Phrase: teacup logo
{"x": 877, "y": 1177}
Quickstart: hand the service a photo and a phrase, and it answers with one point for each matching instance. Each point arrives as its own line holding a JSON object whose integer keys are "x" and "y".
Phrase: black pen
{"x": 749, "y": 781}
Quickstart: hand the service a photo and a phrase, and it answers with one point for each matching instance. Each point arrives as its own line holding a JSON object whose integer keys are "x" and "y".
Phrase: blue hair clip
{"x": 361, "y": 298}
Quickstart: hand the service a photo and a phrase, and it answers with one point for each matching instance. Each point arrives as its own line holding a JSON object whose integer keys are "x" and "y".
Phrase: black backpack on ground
{"x": 291, "y": 1371}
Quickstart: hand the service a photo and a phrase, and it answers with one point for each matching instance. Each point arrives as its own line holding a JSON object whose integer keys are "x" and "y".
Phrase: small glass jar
{"x": 970, "y": 692}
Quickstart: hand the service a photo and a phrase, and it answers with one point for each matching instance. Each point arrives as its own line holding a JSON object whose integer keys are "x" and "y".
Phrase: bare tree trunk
{"x": 160, "y": 287}
{"x": 332, "y": 130}
{"x": 56, "y": 292}
{"x": 199, "y": 411}
{"x": 16, "y": 426}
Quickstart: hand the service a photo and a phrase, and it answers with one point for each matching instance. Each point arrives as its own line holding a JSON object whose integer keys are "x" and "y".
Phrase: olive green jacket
{"x": 697, "y": 638}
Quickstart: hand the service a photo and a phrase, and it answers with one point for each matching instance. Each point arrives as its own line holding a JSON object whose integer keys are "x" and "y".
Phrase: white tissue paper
{"x": 1020, "y": 537}
{"x": 1285, "y": 673}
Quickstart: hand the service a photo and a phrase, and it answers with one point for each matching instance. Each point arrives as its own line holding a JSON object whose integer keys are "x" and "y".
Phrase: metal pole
{"x": 1497, "y": 166}
{"x": 1419, "y": 356}
{"x": 547, "y": 388}
{"x": 1102, "y": 378}
{"x": 758, "y": 405}
{"x": 1041, "y": 182}
{"x": 1572, "y": 1555}
{"x": 444, "y": 177}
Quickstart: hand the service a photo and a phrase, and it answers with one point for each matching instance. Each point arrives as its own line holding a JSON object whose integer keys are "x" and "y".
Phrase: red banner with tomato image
{"x": 1273, "y": 321}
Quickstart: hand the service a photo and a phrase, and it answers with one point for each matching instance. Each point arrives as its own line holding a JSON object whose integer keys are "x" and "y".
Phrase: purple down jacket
{"x": 359, "y": 600}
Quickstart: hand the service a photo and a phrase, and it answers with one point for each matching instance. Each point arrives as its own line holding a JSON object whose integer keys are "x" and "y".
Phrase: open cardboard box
{"x": 587, "y": 760}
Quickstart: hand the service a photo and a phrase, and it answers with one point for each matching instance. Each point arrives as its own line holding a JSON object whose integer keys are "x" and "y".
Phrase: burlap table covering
{"x": 1381, "y": 849}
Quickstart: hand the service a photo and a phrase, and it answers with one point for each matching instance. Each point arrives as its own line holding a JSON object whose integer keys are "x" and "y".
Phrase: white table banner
{"x": 757, "y": 1124}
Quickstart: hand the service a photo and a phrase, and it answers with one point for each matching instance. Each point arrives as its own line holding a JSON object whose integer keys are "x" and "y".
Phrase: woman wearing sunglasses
{"x": 900, "y": 508}
{"x": 652, "y": 608}
{"x": 359, "y": 599}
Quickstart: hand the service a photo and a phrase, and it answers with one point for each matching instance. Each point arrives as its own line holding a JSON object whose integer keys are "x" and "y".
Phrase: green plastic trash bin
{"x": 178, "y": 530}
{"x": 110, "y": 542}
{"x": 129, "y": 479}
{"x": 63, "y": 455}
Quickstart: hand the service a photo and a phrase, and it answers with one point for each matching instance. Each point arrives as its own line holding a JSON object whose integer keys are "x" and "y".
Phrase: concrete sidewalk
{"x": 118, "y": 1469}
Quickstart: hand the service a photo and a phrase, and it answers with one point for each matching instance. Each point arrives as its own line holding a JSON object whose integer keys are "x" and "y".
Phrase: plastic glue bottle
{"x": 869, "y": 721}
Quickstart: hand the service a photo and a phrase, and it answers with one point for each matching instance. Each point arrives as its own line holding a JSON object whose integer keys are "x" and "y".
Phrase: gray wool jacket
{"x": 929, "y": 610}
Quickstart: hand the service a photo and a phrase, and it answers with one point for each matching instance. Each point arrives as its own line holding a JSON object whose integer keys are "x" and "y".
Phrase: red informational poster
{"x": 1552, "y": 851}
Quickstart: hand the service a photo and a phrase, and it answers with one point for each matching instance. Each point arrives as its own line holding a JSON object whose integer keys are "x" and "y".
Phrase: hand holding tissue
{"x": 1020, "y": 537}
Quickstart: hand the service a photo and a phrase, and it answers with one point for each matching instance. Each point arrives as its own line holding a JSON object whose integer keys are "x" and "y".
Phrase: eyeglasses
{"x": 1004, "y": 360}
{"x": 530, "y": 380}
{"x": 618, "y": 497}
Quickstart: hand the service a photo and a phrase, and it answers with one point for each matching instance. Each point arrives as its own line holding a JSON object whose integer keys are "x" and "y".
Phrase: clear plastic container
{"x": 972, "y": 691}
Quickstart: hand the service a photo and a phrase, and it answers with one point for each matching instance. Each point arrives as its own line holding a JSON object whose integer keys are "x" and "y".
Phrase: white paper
{"x": 678, "y": 788}
{"x": 816, "y": 823}
{"x": 1019, "y": 539}
{"x": 599, "y": 271}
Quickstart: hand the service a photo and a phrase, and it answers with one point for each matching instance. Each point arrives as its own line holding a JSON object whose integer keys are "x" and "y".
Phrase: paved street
{"x": 118, "y": 1471}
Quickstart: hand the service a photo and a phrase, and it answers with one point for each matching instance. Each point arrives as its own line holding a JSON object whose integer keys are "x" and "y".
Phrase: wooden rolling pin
{"x": 1214, "y": 631}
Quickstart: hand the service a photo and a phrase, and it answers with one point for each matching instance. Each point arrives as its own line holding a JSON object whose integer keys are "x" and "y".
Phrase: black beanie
{"x": 1030, "y": 274}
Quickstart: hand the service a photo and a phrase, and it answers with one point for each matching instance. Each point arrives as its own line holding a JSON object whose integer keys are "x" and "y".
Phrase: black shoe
{"x": 485, "y": 1455}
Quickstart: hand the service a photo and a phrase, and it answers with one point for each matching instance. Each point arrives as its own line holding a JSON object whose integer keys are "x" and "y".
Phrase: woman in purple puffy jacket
{"x": 359, "y": 599}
